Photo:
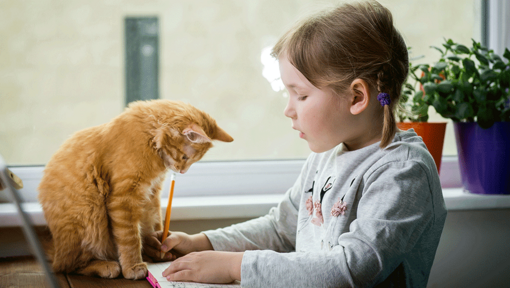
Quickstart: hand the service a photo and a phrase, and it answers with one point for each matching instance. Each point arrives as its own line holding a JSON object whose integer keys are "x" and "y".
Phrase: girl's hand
{"x": 152, "y": 248}
{"x": 206, "y": 267}
{"x": 180, "y": 243}
{"x": 177, "y": 244}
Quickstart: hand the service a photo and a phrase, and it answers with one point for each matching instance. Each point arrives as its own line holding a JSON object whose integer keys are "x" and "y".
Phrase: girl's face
{"x": 322, "y": 118}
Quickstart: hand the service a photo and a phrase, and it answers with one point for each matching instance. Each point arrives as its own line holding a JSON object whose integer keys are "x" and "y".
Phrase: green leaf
{"x": 435, "y": 76}
{"x": 455, "y": 69}
{"x": 507, "y": 54}
{"x": 453, "y": 58}
{"x": 430, "y": 88}
{"x": 463, "y": 77}
{"x": 427, "y": 98}
{"x": 486, "y": 116}
{"x": 488, "y": 75}
{"x": 440, "y": 104}
{"x": 480, "y": 95}
{"x": 438, "y": 49}
{"x": 445, "y": 86}
{"x": 423, "y": 118}
{"x": 440, "y": 66}
{"x": 424, "y": 68}
{"x": 464, "y": 110}
{"x": 458, "y": 96}
{"x": 476, "y": 45}
{"x": 504, "y": 78}
{"x": 413, "y": 68}
{"x": 461, "y": 49}
{"x": 494, "y": 57}
{"x": 418, "y": 97}
{"x": 500, "y": 65}
{"x": 481, "y": 58}
{"x": 469, "y": 65}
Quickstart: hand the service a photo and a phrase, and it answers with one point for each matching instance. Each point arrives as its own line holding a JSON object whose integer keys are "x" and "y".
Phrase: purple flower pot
{"x": 484, "y": 157}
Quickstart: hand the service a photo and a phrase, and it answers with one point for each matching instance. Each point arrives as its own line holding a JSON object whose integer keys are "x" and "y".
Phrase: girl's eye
{"x": 184, "y": 157}
{"x": 301, "y": 98}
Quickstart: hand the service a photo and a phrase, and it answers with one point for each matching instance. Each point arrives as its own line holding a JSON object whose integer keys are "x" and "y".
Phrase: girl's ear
{"x": 360, "y": 96}
{"x": 195, "y": 134}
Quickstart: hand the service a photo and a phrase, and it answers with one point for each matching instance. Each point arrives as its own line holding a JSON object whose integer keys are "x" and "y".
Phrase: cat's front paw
{"x": 111, "y": 269}
{"x": 139, "y": 271}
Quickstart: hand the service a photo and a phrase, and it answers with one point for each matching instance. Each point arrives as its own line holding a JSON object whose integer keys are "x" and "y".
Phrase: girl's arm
{"x": 275, "y": 231}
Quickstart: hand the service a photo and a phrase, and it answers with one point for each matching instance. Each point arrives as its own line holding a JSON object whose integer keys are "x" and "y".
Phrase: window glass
{"x": 63, "y": 68}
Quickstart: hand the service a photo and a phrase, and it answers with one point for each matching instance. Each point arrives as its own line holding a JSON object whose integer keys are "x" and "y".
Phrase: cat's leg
{"x": 125, "y": 211}
{"x": 101, "y": 268}
{"x": 67, "y": 249}
{"x": 154, "y": 209}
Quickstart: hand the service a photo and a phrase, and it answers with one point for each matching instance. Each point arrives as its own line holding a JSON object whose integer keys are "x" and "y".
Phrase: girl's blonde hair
{"x": 335, "y": 47}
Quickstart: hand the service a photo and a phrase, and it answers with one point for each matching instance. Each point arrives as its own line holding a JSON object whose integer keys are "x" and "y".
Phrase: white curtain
{"x": 499, "y": 25}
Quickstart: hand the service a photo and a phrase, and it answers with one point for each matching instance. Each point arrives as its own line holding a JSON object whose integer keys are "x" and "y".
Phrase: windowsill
{"x": 250, "y": 206}
{"x": 229, "y": 190}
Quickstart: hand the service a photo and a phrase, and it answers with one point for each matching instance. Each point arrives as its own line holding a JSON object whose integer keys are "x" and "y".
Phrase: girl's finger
{"x": 170, "y": 242}
{"x": 146, "y": 258}
{"x": 183, "y": 275}
{"x": 169, "y": 256}
{"x": 151, "y": 252}
{"x": 153, "y": 240}
{"x": 155, "y": 254}
{"x": 177, "y": 265}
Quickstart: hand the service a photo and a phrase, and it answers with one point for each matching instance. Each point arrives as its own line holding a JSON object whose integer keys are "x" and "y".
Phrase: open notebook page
{"x": 156, "y": 270}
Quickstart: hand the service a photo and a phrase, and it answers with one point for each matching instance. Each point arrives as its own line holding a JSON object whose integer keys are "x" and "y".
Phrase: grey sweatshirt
{"x": 363, "y": 218}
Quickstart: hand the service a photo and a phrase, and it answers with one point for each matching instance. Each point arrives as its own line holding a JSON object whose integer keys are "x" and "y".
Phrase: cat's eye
{"x": 184, "y": 157}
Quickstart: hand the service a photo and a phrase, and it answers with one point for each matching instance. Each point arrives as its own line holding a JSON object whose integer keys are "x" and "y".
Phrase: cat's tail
{"x": 46, "y": 240}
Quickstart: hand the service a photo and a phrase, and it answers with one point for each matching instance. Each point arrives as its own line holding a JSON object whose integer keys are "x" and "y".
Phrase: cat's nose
{"x": 184, "y": 171}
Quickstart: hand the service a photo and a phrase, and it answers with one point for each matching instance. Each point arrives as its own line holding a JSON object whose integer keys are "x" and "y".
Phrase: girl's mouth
{"x": 301, "y": 135}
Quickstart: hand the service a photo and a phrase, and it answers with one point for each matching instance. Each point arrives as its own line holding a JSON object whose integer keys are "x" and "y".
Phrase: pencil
{"x": 168, "y": 212}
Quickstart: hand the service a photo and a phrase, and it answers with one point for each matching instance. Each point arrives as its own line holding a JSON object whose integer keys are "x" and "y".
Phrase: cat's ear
{"x": 221, "y": 135}
{"x": 195, "y": 134}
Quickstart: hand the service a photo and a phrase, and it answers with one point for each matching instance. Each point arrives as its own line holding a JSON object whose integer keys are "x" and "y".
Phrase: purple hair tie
{"x": 384, "y": 99}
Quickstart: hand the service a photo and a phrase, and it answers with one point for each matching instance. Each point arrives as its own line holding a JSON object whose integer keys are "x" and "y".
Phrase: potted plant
{"x": 412, "y": 113}
{"x": 471, "y": 87}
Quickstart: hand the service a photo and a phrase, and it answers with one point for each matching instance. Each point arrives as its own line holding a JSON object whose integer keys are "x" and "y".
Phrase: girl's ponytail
{"x": 389, "y": 128}
{"x": 387, "y": 97}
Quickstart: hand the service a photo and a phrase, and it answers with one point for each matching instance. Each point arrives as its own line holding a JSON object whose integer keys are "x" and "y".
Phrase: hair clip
{"x": 384, "y": 98}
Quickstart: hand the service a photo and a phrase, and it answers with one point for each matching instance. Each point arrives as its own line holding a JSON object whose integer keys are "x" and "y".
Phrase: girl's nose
{"x": 289, "y": 110}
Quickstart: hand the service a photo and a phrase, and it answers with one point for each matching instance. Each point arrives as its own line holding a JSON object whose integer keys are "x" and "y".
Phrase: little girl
{"x": 367, "y": 209}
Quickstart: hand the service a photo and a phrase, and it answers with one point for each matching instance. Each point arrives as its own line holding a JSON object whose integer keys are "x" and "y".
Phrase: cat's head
{"x": 182, "y": 134}
{"x": 188, "y": 146}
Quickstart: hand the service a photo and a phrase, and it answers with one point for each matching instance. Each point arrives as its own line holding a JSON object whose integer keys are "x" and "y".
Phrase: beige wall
{"x": 62, "y": 66}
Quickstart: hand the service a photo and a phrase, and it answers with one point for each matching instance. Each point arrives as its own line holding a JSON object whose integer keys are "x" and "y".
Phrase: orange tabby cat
{"x": 100, "y": 192}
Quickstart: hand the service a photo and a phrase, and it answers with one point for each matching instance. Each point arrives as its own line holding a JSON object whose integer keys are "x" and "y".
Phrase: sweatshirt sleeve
{"x": 394, "y": 209}
{"x": 275, "y": 231}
